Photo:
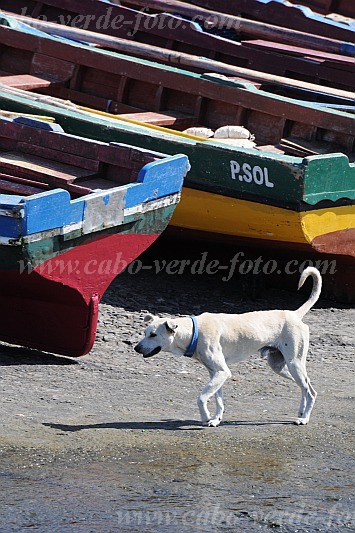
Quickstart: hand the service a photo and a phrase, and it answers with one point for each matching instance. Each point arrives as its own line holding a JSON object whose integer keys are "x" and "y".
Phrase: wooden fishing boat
{"x": 297, "y": 228}
{"x": 73, "y": 214}
{"x": 320, "y": 67}
{"x": 294, "y": 190}
{"x": 301, "y": 56}
{"x": 283, "y": 13}
{"x": 217, "y": 21}
{"x": 100, "y": 15}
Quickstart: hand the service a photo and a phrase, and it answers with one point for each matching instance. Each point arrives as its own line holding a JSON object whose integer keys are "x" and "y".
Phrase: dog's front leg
{"x": 214, "y": 422}
{"x": 214, "y": 387}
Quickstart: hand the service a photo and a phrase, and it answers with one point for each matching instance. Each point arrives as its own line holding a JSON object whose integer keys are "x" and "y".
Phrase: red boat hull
{"x": 55, "y": 307}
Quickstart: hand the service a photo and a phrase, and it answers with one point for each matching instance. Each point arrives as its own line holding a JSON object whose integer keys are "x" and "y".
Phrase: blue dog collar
{"x": 193, "y": 343}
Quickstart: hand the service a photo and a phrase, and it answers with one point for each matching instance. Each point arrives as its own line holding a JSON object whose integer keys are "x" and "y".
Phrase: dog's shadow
{"x": 17, "y": 355}
{"x": 166, "y": 425}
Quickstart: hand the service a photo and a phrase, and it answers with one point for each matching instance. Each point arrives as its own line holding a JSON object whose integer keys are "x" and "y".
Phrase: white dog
{"x": 217, "y": 339}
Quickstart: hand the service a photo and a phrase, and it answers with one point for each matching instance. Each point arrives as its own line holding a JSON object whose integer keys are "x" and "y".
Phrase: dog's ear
{"x": 170, "y": 326}
{"x": 149, "y": 318}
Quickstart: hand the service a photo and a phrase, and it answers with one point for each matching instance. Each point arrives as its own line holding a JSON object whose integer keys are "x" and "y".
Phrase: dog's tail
{"x": 316, "y": 290}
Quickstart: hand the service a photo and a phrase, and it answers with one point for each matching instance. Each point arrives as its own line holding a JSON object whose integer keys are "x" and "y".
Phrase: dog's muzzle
{"x": 153, "y": 352}
{"x": 138, "y": 348}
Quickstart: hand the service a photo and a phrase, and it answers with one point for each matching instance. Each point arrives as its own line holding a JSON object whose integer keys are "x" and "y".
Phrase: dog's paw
{"x": 215, "y": 422}
{"x": 301, "y": 421}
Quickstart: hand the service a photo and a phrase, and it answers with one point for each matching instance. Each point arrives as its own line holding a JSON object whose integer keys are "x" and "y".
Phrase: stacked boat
{"x": 89, "y": 95}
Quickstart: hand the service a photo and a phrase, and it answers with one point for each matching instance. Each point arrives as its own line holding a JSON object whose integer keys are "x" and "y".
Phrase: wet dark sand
{"x": 112, "y": 442}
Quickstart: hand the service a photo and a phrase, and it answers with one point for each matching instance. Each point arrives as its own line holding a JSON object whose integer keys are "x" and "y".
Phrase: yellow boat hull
{"x": 217, "y": 214}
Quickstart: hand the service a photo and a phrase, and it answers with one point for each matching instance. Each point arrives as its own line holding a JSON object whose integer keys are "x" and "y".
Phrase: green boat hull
{"x": 274, "y": 179}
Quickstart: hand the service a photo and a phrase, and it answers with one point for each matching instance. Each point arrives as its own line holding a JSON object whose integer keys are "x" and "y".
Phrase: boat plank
{"x": 283, "y": 13}
{"x": 162, "y": 119}
{"x": 84, "y": 148}
{"x": 17, "y": 188}
{"x": 76, "y": 190}
{"x": 24, "y": 81}
{"x": 299, "y": 51}
{"x": 60, "y": 156}
{"x": 24, "y": 181}
{"x": 42, "y": 169}
{"x": 72, "y": 151}
{"x": 91, "y": 101}
{"x": 303, "y": 148}
{"x": 58, "y": 70}
{"x": 99, "y": 183}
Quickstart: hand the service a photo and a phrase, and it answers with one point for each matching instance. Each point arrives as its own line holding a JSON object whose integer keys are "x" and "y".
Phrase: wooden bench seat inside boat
{"x": 174, "y": 119}
{"x": 14, "y": 185}
{"x": 28, "y": 165}
{"x": 109, "y": 169}
{"x": 178, "y": 120}
{"x": 36, "y": 156}
{"x": 304, "y": 148}
{"x": 26, "y": 82}
{"x": 25, "y": 187}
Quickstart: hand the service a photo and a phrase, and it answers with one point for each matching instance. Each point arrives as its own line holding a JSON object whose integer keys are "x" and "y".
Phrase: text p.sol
{"x": 249, "y": 174}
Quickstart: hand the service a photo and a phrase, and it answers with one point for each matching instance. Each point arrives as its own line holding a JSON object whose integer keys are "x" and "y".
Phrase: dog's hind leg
{"x": 276, "y": 361}
{"x": 213, "y": 387}
{"x": 296, "y": 364}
